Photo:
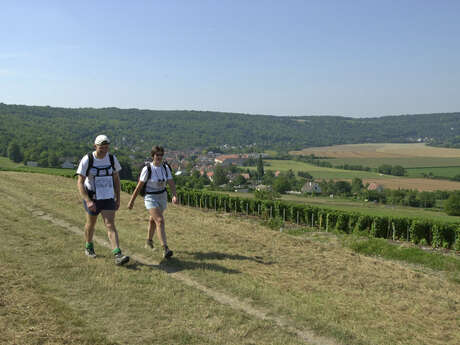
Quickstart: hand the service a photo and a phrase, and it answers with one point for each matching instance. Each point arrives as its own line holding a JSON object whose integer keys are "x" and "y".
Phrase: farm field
{"x": 386, "y": 181}
{"x": 420, "y": 184}
{"x": 231, "y": 281}
{"x": 383, "y": 150}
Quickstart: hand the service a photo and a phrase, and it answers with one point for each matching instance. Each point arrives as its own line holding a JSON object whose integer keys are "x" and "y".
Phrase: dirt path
{"x": 308, "y": 336}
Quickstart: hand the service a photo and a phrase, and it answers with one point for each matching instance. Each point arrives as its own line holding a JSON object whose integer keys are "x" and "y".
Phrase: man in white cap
{"x": 99, "y": 187}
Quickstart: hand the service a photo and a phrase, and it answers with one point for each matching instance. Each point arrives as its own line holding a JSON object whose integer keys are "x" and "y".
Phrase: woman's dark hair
{"x": 156, "y": 150}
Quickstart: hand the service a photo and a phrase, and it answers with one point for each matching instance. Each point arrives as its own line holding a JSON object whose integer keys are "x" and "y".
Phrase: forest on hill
{"x": 69, "y": 132}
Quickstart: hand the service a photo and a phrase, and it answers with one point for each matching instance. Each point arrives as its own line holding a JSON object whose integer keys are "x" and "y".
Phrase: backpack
{"x": 90, "y": 165}
{"x": 143, "y": 192}
{"x": 91, "y": 162}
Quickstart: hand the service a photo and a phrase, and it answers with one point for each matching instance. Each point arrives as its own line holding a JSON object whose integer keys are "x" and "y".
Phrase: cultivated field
{"x": 232, "y": 281}
{"x": 421, "y": 184}
{"x": 383, "y": 150}
{"x": 387, "y": 181}
{"x": 417, "y": 158}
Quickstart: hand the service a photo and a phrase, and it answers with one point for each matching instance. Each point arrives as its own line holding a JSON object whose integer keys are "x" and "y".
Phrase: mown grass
{"x": 361, "y": 243}
{"x": 315, "y": 284}
{"x": 52, "y": 294}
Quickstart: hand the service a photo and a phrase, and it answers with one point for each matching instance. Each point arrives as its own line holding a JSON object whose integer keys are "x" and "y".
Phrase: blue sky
{"x": 346, "y": 58}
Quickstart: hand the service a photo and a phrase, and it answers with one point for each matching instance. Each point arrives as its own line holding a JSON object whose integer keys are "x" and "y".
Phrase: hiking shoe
{"x": 90, "y": 252}
{"x": 149, "y": 245}
{"x": 168, "y": 253}
{"x": 121, "y": 259}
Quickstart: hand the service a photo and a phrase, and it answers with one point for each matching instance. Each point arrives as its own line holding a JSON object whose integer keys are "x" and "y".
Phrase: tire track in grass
{"x": 308, "y": 336}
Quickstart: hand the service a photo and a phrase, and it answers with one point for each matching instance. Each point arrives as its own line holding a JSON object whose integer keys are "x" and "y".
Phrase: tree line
{"x": 66, "y": 130}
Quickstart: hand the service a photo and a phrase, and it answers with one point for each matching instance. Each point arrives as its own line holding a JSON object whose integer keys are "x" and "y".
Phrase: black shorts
{"x": 101, "y": 205}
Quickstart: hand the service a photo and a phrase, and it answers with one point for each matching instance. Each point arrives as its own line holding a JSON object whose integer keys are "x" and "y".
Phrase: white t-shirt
{"x": 97, "y": 163}
{"x": 157, "y": 179}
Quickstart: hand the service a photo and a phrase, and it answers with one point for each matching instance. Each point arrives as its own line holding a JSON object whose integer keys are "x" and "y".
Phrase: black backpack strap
{"x": 112, "y": 161}
{"x": 149, "y": 172}
{"x": 166, "y": 164}
{"x": 149, "y": 175}
{"x": 90, "y": 162}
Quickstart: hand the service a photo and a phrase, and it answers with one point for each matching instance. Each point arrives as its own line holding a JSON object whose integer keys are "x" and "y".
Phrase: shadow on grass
{"x": 224, "y": 256}
{"x": 136, "y": 265}
{"x": 174, "y": 265}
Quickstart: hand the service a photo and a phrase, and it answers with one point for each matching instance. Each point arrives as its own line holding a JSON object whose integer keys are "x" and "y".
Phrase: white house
{"x": 311, "y": 187}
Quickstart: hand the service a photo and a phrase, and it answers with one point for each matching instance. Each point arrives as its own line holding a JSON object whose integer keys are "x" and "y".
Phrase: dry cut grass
{"x": 311, "y": 281}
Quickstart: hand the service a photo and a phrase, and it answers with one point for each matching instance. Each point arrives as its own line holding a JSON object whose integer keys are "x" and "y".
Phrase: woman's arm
{"x": 172, "y": 186}
{"x": 139, "y": 186}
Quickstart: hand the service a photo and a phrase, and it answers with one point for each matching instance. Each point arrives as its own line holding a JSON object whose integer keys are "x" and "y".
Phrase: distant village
{"x": 188, "y": 162}
{"x": 205, "y": 164}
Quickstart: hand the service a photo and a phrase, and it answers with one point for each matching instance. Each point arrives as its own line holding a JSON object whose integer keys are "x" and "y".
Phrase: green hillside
{"x": 70, "y": 131}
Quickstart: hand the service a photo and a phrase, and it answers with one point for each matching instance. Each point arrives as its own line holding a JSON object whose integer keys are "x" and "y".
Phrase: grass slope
{"x": 311, "y": 280}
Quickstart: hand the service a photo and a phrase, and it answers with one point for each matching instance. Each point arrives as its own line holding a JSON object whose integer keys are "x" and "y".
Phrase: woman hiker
{"x": 153, "y": 178}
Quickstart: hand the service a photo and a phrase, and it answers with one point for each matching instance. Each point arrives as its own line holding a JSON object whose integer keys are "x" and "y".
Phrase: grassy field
{"x": 7, "y": 164}
{"x": 294, "y": 285}
{"x": 448, "y": 172}
{"x": 318, "y": 172}
{"x": 406, "y": 162}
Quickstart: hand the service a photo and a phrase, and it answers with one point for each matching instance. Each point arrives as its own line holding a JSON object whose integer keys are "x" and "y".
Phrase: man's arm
{"x": 82, "y": 189}
{"x": 84, "y": 194}
{"x": 117, "y": 187}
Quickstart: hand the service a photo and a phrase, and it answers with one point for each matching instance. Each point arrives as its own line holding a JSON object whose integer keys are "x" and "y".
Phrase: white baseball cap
{"x": 101, "y": 140}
